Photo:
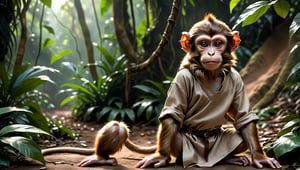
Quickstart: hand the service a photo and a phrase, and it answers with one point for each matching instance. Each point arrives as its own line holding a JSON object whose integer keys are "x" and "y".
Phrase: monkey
{"x": 206, "y": 93}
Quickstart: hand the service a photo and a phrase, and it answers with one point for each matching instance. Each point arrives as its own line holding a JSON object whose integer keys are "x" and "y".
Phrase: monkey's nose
{"x": 211, "y": 53}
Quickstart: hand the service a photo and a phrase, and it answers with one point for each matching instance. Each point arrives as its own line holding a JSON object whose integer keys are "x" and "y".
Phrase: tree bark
{"x": 164, "y": 41}
{"x": 120, "y": 29}
{"x": 87, "y": 39}
{"x": 23, "y": 39}
{"x": 278, "y": 85}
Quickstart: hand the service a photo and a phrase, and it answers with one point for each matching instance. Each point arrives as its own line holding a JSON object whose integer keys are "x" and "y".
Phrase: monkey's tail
{"x": 140, "y": 149}
{"x": 83, "y": 151}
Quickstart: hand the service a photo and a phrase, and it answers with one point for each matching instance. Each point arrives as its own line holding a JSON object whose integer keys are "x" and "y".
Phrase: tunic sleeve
{"x": 241, "y": 104}
{"x": 176, "y": 101}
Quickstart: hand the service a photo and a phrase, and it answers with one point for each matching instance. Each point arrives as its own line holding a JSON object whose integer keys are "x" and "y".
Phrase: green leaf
{"x": 28, "y": 85}
{"x": 294, "y": 26}
{"x": 149, "y": 112}
{"x": 38, "y": 119}
{"x": 103, "y": 112}
{"x": 286, "y": 144}
{"x": 192, "y": 2}
{"x": 48, "y": 3}
{"x": 253, "y": 12}
{"x": 289, "y": 126}
{"x": 183, "y": 11}
{"x": 60, "y": 55}
{"x": 71, "y": 66}
{"x": 147, "y": 89}
{"x": 113, "y": 114}
{"x": 80, "y": 89}
{"x": 290, "y": 117}
{"x": 68, "y": 100}
{"x": 22, "y": 129}
{"x": 49, "y": 29}
{"x": 233, "y": 4}
{"x": 26, "y": 146}
{"x": 159, "y": 86}
{"x": 5, "y": 110}
{"x": 142, "y": 106}
{"x": 293, "y": 77}
{"x": 104, "y": 51}
{"x": 23, "y": 73}
{"x": 282, "y": 8}
{"x": 257, "y": 12}
{"x": 104, "y": 6}
{"x": 130, "y": 114}
{"x": 48, "y": 42}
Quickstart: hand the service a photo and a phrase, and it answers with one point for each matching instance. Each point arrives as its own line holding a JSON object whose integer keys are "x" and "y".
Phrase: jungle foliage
{"x": 97, "y": 71}
{"x": 288, "y": 142}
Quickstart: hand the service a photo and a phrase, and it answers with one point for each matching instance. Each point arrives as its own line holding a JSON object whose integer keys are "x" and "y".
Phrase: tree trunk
{"x": 23, "y": 39}
{"x": 164, "y": 41}
{"x": 120, "y": 29}
{"x": 278, "y": 85}
{"x": 87, "y": 39}
{"x": 264, "y": 69}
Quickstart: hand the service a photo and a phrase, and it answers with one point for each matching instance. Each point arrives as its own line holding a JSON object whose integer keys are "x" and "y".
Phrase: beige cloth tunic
{"x": 192, "y": 103}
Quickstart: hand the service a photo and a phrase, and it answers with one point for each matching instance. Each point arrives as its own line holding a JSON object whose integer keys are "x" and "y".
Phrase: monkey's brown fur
{"x": 109, "y": 140}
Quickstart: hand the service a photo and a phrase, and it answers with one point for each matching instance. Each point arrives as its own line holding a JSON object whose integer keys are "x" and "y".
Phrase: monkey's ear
{"x": 235, "y": 40}
{"x": 185, "y": 42}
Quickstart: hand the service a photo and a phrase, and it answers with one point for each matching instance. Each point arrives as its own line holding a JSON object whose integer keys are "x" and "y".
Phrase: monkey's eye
{"x": 203, "y": 43}
{"x": 218, "y": 43}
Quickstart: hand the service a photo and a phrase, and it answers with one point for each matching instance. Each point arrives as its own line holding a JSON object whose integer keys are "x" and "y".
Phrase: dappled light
{"x": 67, "y": 67}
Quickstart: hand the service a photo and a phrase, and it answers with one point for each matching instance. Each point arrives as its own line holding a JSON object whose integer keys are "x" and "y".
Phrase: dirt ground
{"x": 141, "y": 134}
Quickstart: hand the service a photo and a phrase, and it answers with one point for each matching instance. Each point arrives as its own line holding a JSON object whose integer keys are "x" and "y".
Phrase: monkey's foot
{"x": 236, "y": 160}
{"x": 92, "y": 161}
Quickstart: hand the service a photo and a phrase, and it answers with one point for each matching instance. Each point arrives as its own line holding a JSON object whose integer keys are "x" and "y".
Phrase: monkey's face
{"x": 210, "y": 49}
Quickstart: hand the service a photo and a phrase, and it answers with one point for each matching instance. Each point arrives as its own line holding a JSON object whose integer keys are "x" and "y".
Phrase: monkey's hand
{"x": 156, "y": 159}
{"x": 95, "y": 160}
{"x": 260, "y": 159}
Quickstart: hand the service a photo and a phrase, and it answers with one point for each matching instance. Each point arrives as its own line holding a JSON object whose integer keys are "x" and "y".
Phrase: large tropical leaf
{"x": 81, "y": 91}
{"x": 22, "y": 129}
{"x": 28, "y": 85}
{"x": 253, "y": 12}
{"x": 5, "y": 110}
{"x": 233, "y": 4}
{"x": 26, "y": 146}
{"x": 48, "y": 3}
{"x": 147, "y": 89}
{"x": 282, "y": 8}
{"x": 160, "y": 87}
{"x": 59, "y": 55}
{"x": 129, "y": 113}
{"x": 294, "y": 27}
{"x": 286, "y": 143}
{"x": 67, "y": 100}
{"x": 289, "y": 126}
{"x": 37, "y": 119}
{"x": 23, "y": 73}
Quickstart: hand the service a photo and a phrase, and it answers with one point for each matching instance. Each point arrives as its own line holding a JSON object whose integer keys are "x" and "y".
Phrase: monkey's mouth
{"x": 211, "y": 62}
